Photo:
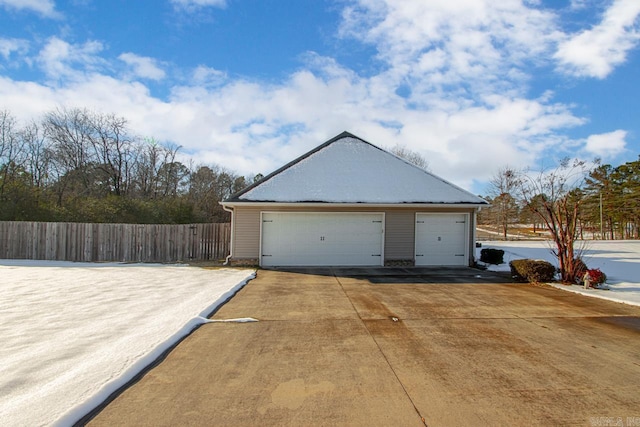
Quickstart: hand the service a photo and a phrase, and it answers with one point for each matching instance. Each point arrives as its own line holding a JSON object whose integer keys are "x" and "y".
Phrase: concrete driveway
{"x": 396, "y": 347}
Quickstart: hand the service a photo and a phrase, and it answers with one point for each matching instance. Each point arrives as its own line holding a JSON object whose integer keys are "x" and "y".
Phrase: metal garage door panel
{"x": 441, "y": 239}
{"x": 307, "y": 239}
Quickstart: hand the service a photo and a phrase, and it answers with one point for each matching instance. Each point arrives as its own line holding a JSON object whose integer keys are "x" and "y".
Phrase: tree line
{"x": 574, "y": 201}
{"x": 79, "y": 165}
{"x": 606, "y": 198}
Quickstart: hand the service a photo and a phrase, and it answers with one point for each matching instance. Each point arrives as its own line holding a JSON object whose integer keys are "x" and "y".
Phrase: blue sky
{"x": 472, "y": 85}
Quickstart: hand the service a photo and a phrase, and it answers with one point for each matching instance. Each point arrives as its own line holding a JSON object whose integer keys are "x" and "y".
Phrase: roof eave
{"x": 353, "y": 205}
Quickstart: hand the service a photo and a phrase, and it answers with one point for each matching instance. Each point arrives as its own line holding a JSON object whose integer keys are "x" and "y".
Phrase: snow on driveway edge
{"x": 595, "y": 293}
{"x": 81, "y": 410}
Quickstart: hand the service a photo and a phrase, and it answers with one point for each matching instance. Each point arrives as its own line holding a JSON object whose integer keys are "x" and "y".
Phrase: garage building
{"x": 350, "y": 203}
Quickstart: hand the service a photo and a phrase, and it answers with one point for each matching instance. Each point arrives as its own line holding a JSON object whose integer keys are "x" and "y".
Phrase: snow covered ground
{"x": 618, "y": 259}
{"x": 72, "y": 333}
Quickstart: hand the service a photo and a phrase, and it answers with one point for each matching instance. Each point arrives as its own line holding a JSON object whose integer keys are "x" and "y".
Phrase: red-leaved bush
{"x": 596, "y": 276}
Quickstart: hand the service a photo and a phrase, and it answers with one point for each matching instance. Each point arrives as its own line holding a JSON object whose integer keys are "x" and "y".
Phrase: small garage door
{"x": 329, "y": 239}
{"x": 441, "y": 239}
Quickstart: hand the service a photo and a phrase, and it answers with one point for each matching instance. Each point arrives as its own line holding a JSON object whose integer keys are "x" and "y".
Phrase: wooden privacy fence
{"x": 65, "y": 241}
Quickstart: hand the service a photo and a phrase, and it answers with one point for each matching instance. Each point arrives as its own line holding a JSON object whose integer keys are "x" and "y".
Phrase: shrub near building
{"x": 533, "y": 271}
{"x": 492, "y": 256}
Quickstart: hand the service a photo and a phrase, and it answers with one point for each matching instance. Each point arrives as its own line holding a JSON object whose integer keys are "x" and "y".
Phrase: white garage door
{"x": 442, "y": 239}
{"x": 329, "y": 239}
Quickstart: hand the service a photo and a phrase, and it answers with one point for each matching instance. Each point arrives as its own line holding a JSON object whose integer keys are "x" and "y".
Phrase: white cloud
{"x": 461, "y": 67}
{"x": 607, "y": 145}
{"x": 60, "y": 59}
{"x": 595, "y": 52}
{"x": 252, "y": 127}
{"x": 142, "y": 66}
{"x": 206, "y": 76}
{"x": 191, "y": 5}
{"x": 10, "y": 46}
{"x": 45, "y": 8}
{"x": 578, "y": 4}
{"x": 477, "y": 43}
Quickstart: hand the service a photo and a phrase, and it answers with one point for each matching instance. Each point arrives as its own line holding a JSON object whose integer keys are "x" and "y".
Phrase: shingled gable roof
{"x": 347, "y": 169}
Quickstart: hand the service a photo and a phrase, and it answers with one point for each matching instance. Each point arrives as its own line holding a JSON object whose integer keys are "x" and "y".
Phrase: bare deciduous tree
{"x": 410, "y": 156}
{"x": 12, "y": 152}
{"x": 112, "y": 147}
{"x": 555, "y": 197}
{"x": 89, "y": 150}
{"x": 80, "y": 165}
{"x": 38, "y": 154}
{"x": 504, "y": 205}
